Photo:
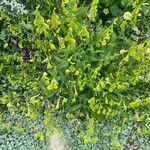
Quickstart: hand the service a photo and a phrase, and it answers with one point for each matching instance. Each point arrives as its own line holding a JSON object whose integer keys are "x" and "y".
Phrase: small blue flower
{"x": 74, "y": 123}
{"x": 46, "y": 104}
{"x": 65, "y": 124}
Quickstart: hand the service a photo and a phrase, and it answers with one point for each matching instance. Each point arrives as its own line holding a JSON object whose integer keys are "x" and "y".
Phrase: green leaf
{"x": 126, "y": 3}
{"x": 115, "y": 11}
{"x": 38, "y": 20}
{"x": 135, "y": 103}
{"x": 115, "y": 143}
{"x": 91, "y": 101}
{"x": 147, "y": 100}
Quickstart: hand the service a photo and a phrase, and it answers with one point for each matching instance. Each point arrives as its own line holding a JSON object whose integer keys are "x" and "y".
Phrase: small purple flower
{"x": 26, "y": 51}
{"x": 16, "y": 38}
{"x": 65, "y": 124}
{"x": 27, "y": 54}
{"x": 46, "y": 104}
{"x": 74, "y": 123}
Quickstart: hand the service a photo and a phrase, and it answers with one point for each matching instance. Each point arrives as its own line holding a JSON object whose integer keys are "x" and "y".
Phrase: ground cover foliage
{"x": 87, "y": 60}
{"x": 20, "y": 136}
{"x": 114, "y": 136}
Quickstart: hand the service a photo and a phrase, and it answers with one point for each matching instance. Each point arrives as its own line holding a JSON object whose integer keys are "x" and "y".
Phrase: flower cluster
{"x": 26, "y": 51}
{"x": 137, "y": 31}
{"x": 20, "y": 8}
{"x": 127, "y": 16}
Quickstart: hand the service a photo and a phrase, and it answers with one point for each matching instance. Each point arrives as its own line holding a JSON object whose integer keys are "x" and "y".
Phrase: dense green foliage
{"x": 88, "y": 60}
{"x": 22, "y": 140}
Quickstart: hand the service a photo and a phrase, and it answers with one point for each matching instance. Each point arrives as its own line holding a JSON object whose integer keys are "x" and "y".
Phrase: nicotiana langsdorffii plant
{"x": 87, "y": 60}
